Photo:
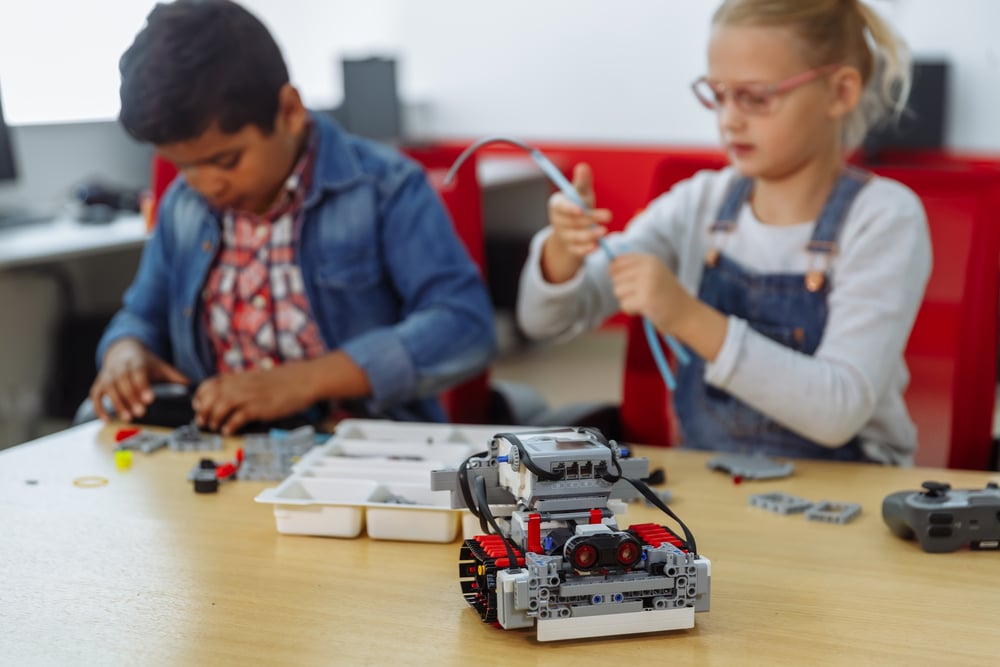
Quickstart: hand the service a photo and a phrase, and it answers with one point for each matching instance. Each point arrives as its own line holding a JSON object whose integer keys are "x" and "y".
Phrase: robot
{"x": 553, "y": 556}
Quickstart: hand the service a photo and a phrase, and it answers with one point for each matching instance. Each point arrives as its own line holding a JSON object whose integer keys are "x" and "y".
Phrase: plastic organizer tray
{"x": 375, "y": 475}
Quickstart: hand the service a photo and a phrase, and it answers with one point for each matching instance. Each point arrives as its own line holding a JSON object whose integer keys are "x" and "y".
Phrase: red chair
{"x": 468, "y": 402}
{"x": 952, "y": 351}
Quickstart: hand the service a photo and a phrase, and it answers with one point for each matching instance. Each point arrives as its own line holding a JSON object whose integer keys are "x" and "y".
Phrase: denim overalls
{"x": 788, "y": 308}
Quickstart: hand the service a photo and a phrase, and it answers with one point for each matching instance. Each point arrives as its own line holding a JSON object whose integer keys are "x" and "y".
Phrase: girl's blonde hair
{"x": 846, "y": 32}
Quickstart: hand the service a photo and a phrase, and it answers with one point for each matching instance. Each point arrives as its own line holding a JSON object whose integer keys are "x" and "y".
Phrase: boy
{"x": 292, "y": 264}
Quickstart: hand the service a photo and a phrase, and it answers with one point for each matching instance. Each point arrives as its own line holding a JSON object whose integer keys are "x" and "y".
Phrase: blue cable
{"x": 556, "y": 176}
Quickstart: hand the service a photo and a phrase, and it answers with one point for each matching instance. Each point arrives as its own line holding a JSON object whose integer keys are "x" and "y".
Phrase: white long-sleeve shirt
{"x": 854, "y": 382}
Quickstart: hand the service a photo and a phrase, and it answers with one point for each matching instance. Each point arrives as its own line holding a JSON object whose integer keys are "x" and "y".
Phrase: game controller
{"x": 943, "y": 519}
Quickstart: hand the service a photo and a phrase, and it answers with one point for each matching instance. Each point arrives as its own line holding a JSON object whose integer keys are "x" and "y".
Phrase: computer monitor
{"x": 8, "y": 170}
{"x": 922, "y": 124}
{"x": 371, "y": 102}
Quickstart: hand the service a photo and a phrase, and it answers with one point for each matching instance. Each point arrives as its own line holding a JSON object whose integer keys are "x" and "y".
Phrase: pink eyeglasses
{"x": 753, "y": 98}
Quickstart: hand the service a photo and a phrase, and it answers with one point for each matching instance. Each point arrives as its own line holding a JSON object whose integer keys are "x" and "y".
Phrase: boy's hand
{"x": 125, "y": 377}
{"x": 645, "y": 286}
{"x": 575, "y": 232}
{"x": 226, "y": 403}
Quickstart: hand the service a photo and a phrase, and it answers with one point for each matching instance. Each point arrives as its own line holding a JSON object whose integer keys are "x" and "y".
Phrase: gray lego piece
{"x": 144, "y": 442}
{"x": 751, "y": 466}
{"x": 188, "y": 438}
{"x": 270, "y": 457}
{"x": 833, "y": 512}
{"x": 780, "y": 503}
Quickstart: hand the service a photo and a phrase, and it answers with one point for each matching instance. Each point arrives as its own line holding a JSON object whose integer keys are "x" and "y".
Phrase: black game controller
{"x": 942, "y": 519}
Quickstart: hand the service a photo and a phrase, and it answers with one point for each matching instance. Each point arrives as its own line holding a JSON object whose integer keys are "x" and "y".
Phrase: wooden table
{"x": 144, "y": 571}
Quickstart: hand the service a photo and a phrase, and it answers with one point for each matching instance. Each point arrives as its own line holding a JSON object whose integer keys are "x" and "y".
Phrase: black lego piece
{"x": 204, "y": 477}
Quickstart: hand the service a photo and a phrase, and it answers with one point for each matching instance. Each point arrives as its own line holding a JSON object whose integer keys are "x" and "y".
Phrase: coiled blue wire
{"x": 556, "y": 176}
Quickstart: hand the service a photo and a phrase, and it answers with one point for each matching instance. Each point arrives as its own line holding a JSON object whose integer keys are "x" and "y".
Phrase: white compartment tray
{"x": 339, "y": 507}
{"x": 377, "y": 473}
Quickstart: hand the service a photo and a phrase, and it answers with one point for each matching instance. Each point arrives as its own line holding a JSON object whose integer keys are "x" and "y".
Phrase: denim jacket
{"x": 388, "y": 280}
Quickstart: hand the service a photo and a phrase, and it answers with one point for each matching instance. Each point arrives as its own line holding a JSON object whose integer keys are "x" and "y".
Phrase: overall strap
{"x": 724, "y": 223}
{"x": 823, "y": 244}
{"x": 831, "y": 218}
{"x": 731, "y": 205}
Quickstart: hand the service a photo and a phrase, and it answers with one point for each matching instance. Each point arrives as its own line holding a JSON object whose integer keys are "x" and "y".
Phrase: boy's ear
{"x": 292, "y": 113}
{"x": 846, "y": 86}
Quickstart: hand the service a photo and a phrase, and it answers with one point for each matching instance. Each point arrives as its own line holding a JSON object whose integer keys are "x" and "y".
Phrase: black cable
{"x": 662, "y": 506}
{"x": 643, "y": 488}
{"x": 525, "y": 458}
{"x": 463, "y": 485}
{"x": 480, "y": 491}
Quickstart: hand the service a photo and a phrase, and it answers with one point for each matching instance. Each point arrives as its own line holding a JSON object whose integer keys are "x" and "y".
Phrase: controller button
{"x": 941, "y": 518}
{"x": 936, "y": 489}
{"x": 939, "y": 531}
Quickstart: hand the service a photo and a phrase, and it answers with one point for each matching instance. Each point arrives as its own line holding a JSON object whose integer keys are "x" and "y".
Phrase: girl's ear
{"x": 846, "y": 88}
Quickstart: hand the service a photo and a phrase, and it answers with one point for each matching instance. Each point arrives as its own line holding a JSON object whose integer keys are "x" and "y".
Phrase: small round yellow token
{"x": 90, "y": 482}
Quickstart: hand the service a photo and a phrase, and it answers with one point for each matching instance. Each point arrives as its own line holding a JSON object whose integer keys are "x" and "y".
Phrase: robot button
{"x": 940, "y": 519}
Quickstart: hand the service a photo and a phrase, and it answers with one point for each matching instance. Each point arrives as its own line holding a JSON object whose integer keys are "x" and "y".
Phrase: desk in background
{"x": 143, "y": 570}
{"x": 64, "y": 238}
{"x": 52, "y": 307}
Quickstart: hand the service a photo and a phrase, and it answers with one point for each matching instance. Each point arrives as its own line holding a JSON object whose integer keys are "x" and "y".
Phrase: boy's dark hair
{"x": 198, "y": 62}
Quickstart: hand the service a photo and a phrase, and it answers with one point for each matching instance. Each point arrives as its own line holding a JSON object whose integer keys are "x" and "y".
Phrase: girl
{"x": 794, "y": 279}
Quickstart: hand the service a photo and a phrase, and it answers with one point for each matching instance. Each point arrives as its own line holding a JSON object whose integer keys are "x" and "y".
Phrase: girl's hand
{"x": 645, "y": 286}
{"x": 575, "y": 232}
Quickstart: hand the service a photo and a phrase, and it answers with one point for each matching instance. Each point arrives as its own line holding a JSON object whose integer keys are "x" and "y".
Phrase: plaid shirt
{"x": 257, "y": 314}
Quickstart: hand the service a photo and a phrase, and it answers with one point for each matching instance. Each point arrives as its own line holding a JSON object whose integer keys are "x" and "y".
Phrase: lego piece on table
{"x": 123, "y": 459}
{"x": 128, "y": 432}
{"x": 188, "y": 438}
{"x": 833, "y": 512}
{"x": 204, "y": 477}
{"x": 270, "y": 457}
{"x": 780, "y": 502}
{"x": 751, "y": 466}
{"x": 141, "y": 441}
{"x": 207, "y": 474}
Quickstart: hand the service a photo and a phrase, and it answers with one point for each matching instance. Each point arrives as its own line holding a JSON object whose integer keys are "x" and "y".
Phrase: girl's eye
{"x": 753, "y": 100}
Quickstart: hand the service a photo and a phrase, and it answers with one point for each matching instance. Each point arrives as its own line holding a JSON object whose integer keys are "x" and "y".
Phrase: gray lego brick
{"x": 188, "y": 438}
{"x": 780, "y": 502}
{"x": 751, "y": 466}
{"x": 833, "y": 512}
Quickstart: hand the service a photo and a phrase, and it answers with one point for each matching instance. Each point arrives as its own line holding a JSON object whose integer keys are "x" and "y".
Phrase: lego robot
{"x": 553, "y": 555}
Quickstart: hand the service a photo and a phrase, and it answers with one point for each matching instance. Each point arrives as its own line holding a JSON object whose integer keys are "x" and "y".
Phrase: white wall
{"x": 592, "y": 70}
{"x": 548, "y": 69}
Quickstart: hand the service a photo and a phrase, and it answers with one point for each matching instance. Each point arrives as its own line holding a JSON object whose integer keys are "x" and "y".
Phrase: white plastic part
{"x": 629, "y": 623}
{"x": 375, "y": 475}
